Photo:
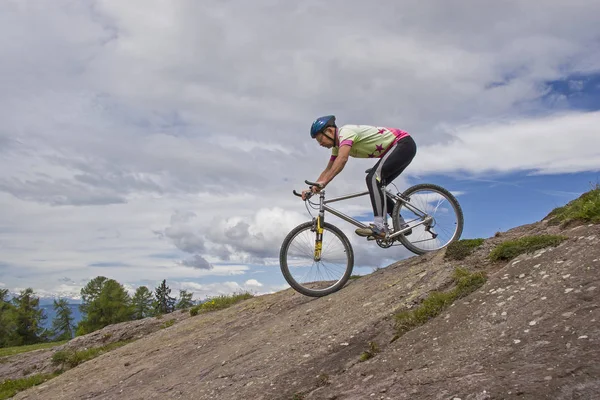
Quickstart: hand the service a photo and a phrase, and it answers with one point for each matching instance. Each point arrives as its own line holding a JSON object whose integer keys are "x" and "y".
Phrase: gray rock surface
{"x": 531, "y": 332}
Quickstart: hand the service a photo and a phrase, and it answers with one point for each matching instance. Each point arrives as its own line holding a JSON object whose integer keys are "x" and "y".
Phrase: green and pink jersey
{"x": 367, "y": 141}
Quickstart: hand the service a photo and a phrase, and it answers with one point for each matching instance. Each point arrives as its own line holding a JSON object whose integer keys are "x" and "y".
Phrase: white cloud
{"x": 151, "y": 140}
{"x": 554, "y": 144}
{"x": 253, "y": 283}
{"x": 204, "y": 290}
{"x": 254, "y": 239}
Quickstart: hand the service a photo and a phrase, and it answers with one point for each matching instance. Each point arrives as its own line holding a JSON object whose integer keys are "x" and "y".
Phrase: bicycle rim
{"x": 439, "y": 204}
{"x": 316, "y": 278}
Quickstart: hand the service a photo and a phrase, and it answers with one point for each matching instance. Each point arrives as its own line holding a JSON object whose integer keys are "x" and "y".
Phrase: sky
{"x": 150, "y": 140}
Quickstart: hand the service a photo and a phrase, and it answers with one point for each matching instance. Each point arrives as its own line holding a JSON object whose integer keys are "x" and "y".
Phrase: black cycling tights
{"x": 388, "y": 168}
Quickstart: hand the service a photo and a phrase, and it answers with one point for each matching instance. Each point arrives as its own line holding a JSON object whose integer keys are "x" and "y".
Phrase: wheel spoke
{"x": 311, "y": 277}
{"x": 438, "y": 204}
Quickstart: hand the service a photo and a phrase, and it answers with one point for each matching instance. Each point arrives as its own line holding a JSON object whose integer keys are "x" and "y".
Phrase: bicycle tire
{"x": 451, "y": 199}
{"x": 299, "y": 287}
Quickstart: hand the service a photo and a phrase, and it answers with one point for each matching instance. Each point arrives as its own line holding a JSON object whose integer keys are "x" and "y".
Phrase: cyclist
{"x": 394, "y": 148}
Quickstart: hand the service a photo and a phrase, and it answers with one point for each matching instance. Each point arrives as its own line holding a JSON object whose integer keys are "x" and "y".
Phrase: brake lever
{"x": 308, "y": 195}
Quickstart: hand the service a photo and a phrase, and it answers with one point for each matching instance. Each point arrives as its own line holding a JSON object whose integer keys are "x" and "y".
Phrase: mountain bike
{"x": 322, "y": 255}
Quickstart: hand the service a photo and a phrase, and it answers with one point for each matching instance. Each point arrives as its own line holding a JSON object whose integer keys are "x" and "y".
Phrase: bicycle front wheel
{"x": 440, "y": 207}
{"x": 316, "y": 278}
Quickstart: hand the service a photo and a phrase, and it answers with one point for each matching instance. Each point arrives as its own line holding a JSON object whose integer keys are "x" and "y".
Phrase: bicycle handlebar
{"x": 313, "y": 184}
{"x": 310, "y": 193}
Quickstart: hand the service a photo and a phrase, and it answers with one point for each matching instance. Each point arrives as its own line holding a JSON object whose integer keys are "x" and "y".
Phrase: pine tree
{"x": 89, "y": 303}
{"x": 185, "y": 300}
{"x": 115, "y": 303}
{"x": 91, "y": 292}
{"x": 29, "y": 318}
{"x": 8, "y": 326}
{"x": 105, "y": 302}
{"x": 142, "y": 303}
{"x": 164, "y": 303}
{"x": 62, "y": 324}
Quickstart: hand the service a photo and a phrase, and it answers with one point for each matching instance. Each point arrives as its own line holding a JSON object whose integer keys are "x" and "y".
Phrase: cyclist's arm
{"x": 329, "y": 165}
{"x": 335, "y": 166}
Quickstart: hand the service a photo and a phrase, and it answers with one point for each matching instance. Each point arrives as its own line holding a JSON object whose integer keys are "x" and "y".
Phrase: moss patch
{"x": 373, "y": 349}
{"x": 72, "y": 358}
{"x": 11, "y": 387}
{"x": 167, "y": 324}
{"x": 527, "y": 244}
{"x": 11, "y": 351}
{"x": 465, "y": 284}
{"x": 460, "y": 249}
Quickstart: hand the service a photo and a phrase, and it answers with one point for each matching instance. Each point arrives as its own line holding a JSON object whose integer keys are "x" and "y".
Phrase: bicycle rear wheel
{"x": 316, "y": 278}
{"x": 434, "y": 201}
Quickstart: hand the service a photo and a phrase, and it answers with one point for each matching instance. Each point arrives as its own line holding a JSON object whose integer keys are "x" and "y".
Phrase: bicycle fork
{"x": 318, "y": 239}
{"x": 319, "y": 229}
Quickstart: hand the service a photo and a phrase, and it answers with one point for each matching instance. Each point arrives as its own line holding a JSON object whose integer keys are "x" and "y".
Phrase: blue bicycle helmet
{"x": 320, "y": 124}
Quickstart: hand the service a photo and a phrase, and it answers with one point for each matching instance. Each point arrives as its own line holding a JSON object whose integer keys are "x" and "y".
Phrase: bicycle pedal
{"x": 374, "y": 238}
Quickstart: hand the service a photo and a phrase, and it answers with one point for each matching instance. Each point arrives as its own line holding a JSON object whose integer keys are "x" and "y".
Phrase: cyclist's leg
{"x": 388, "y": 168}
{"x": 373, "y": 181}
{"x": 401, "y": 156}
{"x": 373, "y": 184}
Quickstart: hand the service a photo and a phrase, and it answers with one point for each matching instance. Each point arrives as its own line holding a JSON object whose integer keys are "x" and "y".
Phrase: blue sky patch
{"x": 579, "y": 92}
{"x": 502, "y": 202}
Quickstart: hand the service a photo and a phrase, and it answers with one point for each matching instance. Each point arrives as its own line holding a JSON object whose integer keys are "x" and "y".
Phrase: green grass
{"x": 72, "y": 358}
{"x": 322, "y": 380}
{"x": 11, "y": 387}
{"x": 373, "y": 349}
{"x": 585, "y": 208}
{"x": 11, "y": 351}
{"x": 220, "y": 302}
{"x": 512, "y": 248}
{"x": 465, "y": 284}
{"x": 167, "y": 324}
{"x": 460, "y": 249}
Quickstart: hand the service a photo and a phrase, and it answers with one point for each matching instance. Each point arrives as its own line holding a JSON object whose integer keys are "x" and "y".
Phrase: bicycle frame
{"x": 324, "y": 207}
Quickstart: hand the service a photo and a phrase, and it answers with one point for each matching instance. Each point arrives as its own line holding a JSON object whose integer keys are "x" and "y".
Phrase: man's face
{"x": 324, "y": 140}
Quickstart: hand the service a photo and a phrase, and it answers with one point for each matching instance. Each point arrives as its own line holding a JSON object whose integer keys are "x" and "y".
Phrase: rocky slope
{"x": 530, "y": 332}
{"x": 40, "y": 361}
